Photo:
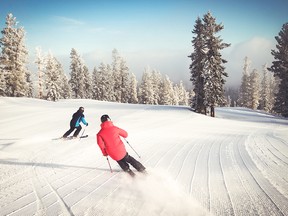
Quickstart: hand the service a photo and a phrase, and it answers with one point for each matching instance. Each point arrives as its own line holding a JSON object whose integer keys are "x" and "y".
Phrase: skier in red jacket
{"x": 110, "y": 143}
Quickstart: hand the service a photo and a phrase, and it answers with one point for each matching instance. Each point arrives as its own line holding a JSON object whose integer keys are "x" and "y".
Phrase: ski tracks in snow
{"x": 209, "y": 169}
{"x": 232, "y": 170}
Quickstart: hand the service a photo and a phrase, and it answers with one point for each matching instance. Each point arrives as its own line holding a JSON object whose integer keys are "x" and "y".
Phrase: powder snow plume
{"x": 150, "y": 194}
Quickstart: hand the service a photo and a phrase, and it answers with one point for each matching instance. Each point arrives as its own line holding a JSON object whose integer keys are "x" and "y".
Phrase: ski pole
{"x": 83, "y": 131}
{"x": 132, "y": 148}
{"x": 109, "y": 164}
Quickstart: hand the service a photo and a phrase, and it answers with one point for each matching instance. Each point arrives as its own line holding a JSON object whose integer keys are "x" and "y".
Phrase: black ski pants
{"x": 124, "y": 163}
{"x": 72, "y": 128}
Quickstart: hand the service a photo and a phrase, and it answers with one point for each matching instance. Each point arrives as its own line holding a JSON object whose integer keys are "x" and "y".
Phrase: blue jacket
{"x": 77, "y": 118}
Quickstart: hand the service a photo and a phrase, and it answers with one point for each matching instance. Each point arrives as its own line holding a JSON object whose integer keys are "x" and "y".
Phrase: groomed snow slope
{"x": 234, "y": 164}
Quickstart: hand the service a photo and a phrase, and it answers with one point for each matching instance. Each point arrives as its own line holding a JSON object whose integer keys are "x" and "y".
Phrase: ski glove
{"x": 87, "y": 124}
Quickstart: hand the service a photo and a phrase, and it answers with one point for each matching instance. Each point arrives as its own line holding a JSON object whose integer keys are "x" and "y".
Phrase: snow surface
{"x": 234, "y": 164}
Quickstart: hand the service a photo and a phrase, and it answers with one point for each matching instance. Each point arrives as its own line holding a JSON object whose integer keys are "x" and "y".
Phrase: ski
{"x": 131, "y": 173}
{"x": 144, "y": 172}
{"x": 59, "y": 138}
{"x": 70, "y": 138}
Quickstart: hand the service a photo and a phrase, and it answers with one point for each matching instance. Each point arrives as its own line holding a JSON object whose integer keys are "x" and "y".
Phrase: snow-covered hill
{"x": 234, "y": 164}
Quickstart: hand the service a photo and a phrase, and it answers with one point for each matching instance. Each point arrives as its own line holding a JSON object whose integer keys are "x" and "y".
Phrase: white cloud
{"x": 68, "y": 21}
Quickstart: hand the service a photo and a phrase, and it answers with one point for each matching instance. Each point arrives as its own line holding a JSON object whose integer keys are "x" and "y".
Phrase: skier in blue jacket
{"x": 75, "y": 123}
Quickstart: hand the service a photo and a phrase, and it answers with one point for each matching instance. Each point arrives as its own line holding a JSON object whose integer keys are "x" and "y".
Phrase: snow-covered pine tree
{"x": 52, "y": 79}
{"x": 77, "y": 76}
{"x": 245, "y": 88}
{"x": 125, "y": 81}
{"x": 2, "y": 78}
{"x": 109, "y": 84}
{"x": 274, "y": 88}
{"x": 167, "y": 92}
{"x": 121, "y": 77}
{"x": 176, "y": 99}
{"x": 265, "y": 102}
{"x": 116, "y": 65}
{"x": 133, "y": 96}
{"x": 96, "y": 95}
{"x": 30, "y": 84}
{"x": 95, "y": 84}
{"x": 157, "y": 79}
{"x": 40, "y": 62}
{"x": 103, "y": 83}
{"x": 87, "y": 83}
{"x": 255, "y": 89}
{"x": 146, "y": 93}
{"x": 13, "y": 60}
{"x": 280, "y": 69}
{"x": 197, "y": 67}
{"x": 229, "y": 100}
{"x": 214, "y": 71}
{"x": 2, "y": 83}
{"x": 183, "y": 94}
{"x": 65, "y": 87}
{"x": 63, "y": 82}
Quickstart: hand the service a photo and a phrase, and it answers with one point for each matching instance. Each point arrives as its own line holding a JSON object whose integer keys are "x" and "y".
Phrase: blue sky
{"x": 148, "y": 33}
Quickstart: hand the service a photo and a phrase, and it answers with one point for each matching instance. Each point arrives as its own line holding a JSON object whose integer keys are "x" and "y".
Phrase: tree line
{"x": 114, "y": 82}
{"x": 267, "y": 90}
{"x": 107, "y": 82}
{"x": 257, "y": 90}
{"x": 268, "y": 93}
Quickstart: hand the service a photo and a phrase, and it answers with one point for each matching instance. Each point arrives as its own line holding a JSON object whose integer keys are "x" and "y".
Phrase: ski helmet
{"x": 105, "y": 118}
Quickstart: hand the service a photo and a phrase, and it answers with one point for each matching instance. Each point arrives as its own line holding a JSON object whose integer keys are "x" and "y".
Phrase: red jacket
{"x": 108, "y": 139}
